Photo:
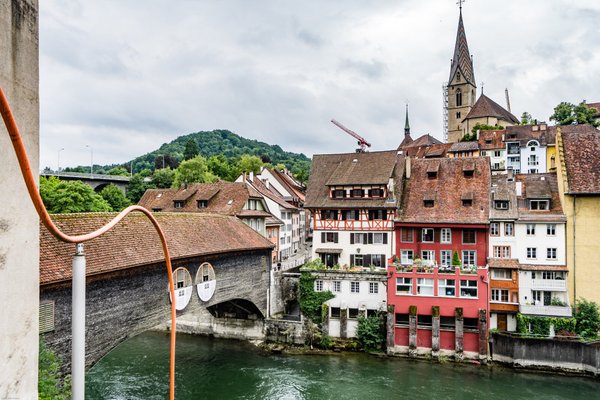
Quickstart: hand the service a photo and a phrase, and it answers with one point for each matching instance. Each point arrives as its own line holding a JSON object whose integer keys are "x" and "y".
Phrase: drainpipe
{"x": 574, "y": 251}
{"x": 78, "y": 324}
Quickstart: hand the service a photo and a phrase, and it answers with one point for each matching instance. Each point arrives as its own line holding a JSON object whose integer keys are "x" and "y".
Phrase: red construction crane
{"x": 361, "y": 141}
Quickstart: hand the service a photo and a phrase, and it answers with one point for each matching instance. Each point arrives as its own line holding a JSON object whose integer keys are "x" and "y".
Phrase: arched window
{"x": 458, "y": 76}
{"x": 532, "y": 144}
{"x": 458, "y": 98}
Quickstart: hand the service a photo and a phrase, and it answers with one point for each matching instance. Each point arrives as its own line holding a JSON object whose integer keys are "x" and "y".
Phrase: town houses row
{"x": 448, "y": 248}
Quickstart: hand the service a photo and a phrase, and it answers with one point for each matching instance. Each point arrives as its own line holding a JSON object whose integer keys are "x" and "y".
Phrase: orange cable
{"x": 36, "y": 199}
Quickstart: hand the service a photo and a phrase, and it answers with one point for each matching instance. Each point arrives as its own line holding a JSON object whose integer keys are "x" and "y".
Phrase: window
{"x": 501, "y": 251}
{"x": 468, "y": 288}
{"x": 379, "y": 238}
{"x": 530, "y": 229}
{"x": 551, "y": 229}
{"x": 403, "y": 285}
{"x": 46, "y": 316}
{"x": 467, "y": 202}
{"x": 335, "y": 312}
{"x": 509, "y": 229}
{"x": 202, "y": 203}
{"x": 352, "y": 313}
{"x": 500, "y": 295}
{"x": 406, "y": 257}
{"x": 503, "y": 274}
{"x": 446, "y": 235}
{"x": 447, "y": 322}
{"x": 425, "y": 286}
{"x": 446, "y": 257}
{"x": 468, "y": 236}
{"x": 428, "y": 255}
{"x": 447, "y": 287}
{"x": 532, "y": 160}
{"x": 497, "y": 153}
{"x": 469, "y": 258}
{"x": 378, "y": 260}
{"x": 178, "y": 204}
{"x": 551, "y": 253}
{"x": 349, "y": 215}
{"x": 532, "y": 252}
{"x": 538, "y": 204}
{"x": 458, "y": 98}
{"x": 376, "y": 193}
{"x": 427, "y": 235}
{"x": 327, "y": 214}
{"x": 318, "y": 285}
{"x": 553, "y": 275}
{"x": 458, "y": 115}
{"x": 357, "y": 193}
{"x": 377, "y": 214}
{"x": 424, "y": 321}
{"x": 494, "y": 229}
{"x": 428, "y": 203}
{"x": 501, "y": 204}
{"x": 338, "y": 194}
{"x": 354, "y": 287}
{"x": 337, "y": 286}
{"x": 358, "y": 238}
{"x": 471, "y": 324}
{"x": 373, "y": 287}
{"x": 358, "y": 260}
{"x": 406, "y": 235}
{"x": 329, "y": 237}
{"x": 402, "y": 319}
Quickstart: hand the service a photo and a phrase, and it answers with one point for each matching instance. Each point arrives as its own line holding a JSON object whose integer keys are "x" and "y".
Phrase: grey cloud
{"x": 372, "y": 70}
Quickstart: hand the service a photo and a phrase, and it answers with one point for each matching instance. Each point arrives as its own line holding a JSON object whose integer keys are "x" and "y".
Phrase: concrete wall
{"x": 125, "y": 303}
{"x": 564, "y": 355}
{"x": 19, "y": 242}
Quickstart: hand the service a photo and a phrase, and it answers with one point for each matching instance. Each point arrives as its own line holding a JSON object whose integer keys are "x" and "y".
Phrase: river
{"x": 222, "y": 369}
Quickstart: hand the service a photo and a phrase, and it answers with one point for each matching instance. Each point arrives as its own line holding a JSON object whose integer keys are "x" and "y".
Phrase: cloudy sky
{"x": 126, "y": 76}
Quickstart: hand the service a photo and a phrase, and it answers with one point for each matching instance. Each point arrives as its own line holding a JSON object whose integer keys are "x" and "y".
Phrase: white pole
{"x": 78, "y": 325}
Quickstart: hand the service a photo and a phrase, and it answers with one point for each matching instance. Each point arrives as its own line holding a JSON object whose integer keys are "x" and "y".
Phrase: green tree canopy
{"x": 138, "y": 186}
{"x": 568, "y": 114}
{"x": 249, "y": 163}
{"x": 163, "y": 178}
{"x": 588, "y": 319}
{"x": 118, "y": 171}
{"x": 220, "y": 166}
{"x": 193, "y": 171}
{"x": 70, "y": 197}
{"x": 191, "y": 149}
{"x": 527, "y": 119}
{"x": 115, "y": 197}
{"x": 470, "y": 137}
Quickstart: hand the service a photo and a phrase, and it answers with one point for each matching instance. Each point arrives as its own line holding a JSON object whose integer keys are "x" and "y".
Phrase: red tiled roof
{"x": 449, "y": 187}
{"x": 539, "y": 186}
{"x": 527, "y": 267}
{"x": 134, "y": 242}
{"x": 463, "y": 146}
{"x": 503, "y": 263}
{"x": 425, "y": 140}
{"x": 491, "y": 140}
{"x": 541, "y": 133}
{"x": 486, "y": 107}
{"x": 257, "y": 185}
{"x": 596, "y": 106}
{"x": 581, "y": 145}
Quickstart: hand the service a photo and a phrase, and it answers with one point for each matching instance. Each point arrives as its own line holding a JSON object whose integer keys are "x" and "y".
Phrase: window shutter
{"x": 322, "y": 237}
{"x": 385, "y": 238}
{"x": 351, "y": 259}
{"x": 384, "y": 215}
{"x": 352, "y": 238}
{"x": 419, "y": 234}
{"x": 357, "y": 215}
{"x": 436, "y": 235}
{"x": 370, "y": 238}
{"x": 366, "y": 260}
{"x": 335, "y": 237}
{"x": 46, "y": 316}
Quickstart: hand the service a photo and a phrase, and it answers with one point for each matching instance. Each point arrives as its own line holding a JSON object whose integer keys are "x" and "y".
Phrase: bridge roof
{"x": 133, "y": 242}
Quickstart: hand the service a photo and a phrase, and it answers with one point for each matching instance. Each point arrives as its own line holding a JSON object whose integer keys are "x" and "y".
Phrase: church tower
{"x": 461, "y": 89}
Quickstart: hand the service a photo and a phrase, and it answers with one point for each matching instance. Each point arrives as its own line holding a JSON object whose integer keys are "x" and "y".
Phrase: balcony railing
{"x": 551, "y": 311}
{"x": 428, "y": 267}
{"x": 554, "y": 285}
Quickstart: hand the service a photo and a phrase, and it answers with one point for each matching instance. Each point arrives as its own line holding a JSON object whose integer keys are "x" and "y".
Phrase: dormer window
{"x": 543, "y": 205}
{"x": 157, "y": 209}
{"x": 467, "y": 199}
{"x": 376, "y": 192}
{"x": 488, "y": 141}
{"x": 178, "y": 203}
{"x": 501, "y": 204}
{"x": 468, "y": 173}
{"x": 357, "y": 193}
{"x": 432, "y": 169}
{"x": 428, "y": 203}
{"x": 432, "y": 174}
{"x": 338, "y": 194}
{"x": 202, "y": 203}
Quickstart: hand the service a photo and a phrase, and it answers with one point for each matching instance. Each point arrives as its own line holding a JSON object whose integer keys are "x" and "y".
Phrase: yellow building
{"x": 578, "y": 171}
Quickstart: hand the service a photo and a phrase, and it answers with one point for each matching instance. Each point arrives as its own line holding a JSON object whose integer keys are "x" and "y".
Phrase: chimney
{"x": 251, "y": 176}
{"x": 407, "y": 172}
{"x": 519, "y": 188}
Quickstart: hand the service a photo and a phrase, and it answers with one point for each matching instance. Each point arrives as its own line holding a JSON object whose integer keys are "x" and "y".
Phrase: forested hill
{"x": 223, "y": 142}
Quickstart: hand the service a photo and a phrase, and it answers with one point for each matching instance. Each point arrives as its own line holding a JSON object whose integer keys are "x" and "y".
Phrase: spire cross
{"x": 460, "y": 3}
{"x": 482, "y": 83}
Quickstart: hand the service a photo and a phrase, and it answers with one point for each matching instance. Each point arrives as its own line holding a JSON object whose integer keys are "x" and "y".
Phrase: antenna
{"x": 460, "y": 3}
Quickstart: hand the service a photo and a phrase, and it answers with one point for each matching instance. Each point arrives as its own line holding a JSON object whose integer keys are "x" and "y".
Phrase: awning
{"x": 330, "y": 251}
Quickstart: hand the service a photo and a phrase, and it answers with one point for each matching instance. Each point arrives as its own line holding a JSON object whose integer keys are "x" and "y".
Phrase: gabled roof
{"x": 428, "y": 151}
{"x": 581, "y": 145}
{"x": 257, "y": 184}
{"x": 227, "y": 198}
{"x": 449, "y": 188}
{"x": 463, "y": 146}
{"x": 461, "y": 61}
{"x": 373, "y": 168}
{"x": 294, "y": 187}
{"x": 133, "y": 242}
{"x": 405, "y": 142}
{"x": 424, "y": 140}
{"x": 491, "y": 140}
{"x": 503, "y": 189}
{"x": 486, "y": 107}
{"x": 539, "y": 186}
{"x": 542, "y": 133}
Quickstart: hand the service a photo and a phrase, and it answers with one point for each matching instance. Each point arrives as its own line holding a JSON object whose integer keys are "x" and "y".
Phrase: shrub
{"x": 310, "y": 301}
{"x": 369, "y": 332}
{"x": 588, "y": 319}
{"x": 51, "y": 385}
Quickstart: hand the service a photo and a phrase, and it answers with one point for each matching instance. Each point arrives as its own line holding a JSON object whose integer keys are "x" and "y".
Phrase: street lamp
{"x": 58, "y": 163}
{"x": 91, "y": 159}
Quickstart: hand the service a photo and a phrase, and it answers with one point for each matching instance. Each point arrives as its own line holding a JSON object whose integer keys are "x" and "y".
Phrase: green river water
{"x": 220, "y": 369}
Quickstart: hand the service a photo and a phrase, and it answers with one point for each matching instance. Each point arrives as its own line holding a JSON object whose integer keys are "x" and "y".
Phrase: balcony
{"x": 549, "y": 311}
{"x": 552, "y": 285}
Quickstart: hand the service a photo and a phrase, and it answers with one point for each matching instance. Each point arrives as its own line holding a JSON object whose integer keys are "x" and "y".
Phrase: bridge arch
{"x": 236, "y": 308}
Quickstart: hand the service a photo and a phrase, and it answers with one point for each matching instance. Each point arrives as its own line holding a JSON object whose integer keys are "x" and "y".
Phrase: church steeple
{"x": 406, "y": 124}
{"x": 462, "y": 87}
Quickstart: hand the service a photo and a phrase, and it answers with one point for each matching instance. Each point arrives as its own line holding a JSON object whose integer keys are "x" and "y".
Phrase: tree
{"x": 118, "y": 171}
{"x": 138, "y": 186}
{"x": 369, "y": 332}
{"x": 51, "y": 384}
{"x": 249, "y": 163}
{"x": 163, "y": 178}
{"x": 526, "y": 119}
{"x": 220, "y": 166}
{"x": 70, "y": 197}
{"x": 587, "y": 319}
{"x": 193, "y": 171}
{"x": 456, "y": 259}
{"x": 115, "y": 197}
{"x": 191, "y": 149}
{"x": 479, "y": 127}
{"x": 164, "y": 161}
{"x": 568, "y": 114}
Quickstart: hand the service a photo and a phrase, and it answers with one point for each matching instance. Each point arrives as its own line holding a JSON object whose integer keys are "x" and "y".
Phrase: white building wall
{"x": 540, "y": 153}
{"x": 503, "y": 240}
{"x": 356, "y": 248}
{"x": 541, "y": 241}
{"x": 19, "y": 225}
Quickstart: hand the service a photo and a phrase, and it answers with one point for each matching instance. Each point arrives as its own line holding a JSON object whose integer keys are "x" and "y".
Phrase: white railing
{"x": 555, "y": 285}
{"x": 553, "y": 311}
